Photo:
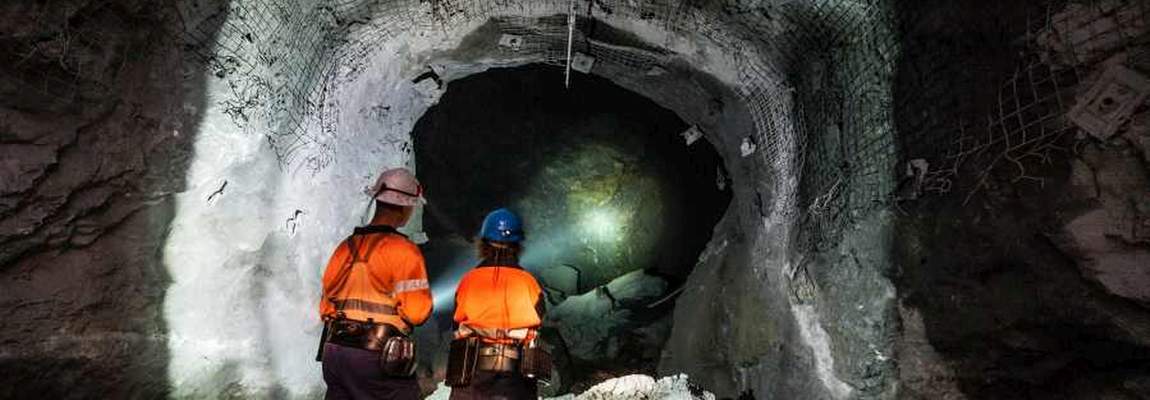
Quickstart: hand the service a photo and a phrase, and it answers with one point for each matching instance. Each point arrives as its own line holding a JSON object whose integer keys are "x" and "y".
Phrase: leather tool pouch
{"x": 397, "y": 357}
{"x": 535, "y": 363}
{"x": 323, "y": 338}
{"x": 348, "y": 333}
{"x": 461, "y": 361}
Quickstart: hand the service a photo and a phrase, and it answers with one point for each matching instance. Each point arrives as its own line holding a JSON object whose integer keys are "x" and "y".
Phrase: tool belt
{"x": 471, "y": 354}
{"x": 361, "y": 335}
{"x": 396, "y": 350}
{"x": 498, "y": 357}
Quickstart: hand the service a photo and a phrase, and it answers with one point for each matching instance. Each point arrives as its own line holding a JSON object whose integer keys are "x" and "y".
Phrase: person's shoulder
{"x": 344, "y": 244}
{"x": 523, "y": 273}
{"x": 399, "y": 244}
{"x": 405, "y": 242}
{"x": 474, "y": 274}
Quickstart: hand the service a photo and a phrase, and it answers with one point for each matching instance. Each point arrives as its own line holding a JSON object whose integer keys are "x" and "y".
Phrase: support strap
{"x": 357, "y": 235}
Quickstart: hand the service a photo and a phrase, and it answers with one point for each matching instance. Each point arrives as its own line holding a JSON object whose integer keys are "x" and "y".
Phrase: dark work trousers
{"x": 496, "y": 386}
{"x": 352, "y": 373}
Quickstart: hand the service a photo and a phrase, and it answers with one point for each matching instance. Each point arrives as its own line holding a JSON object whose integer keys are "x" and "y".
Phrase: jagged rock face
{"x": 728, "y": 332}
{"x": 97, "y": 110}
{"x": 613, "y": 330}
{"x": 678, "y": 387}
{"x": 1109, "y": 241}
{"x": 1024, "y": 277}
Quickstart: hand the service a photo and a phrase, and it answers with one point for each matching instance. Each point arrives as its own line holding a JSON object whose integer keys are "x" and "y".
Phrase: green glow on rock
{"x": 602, "y": 225}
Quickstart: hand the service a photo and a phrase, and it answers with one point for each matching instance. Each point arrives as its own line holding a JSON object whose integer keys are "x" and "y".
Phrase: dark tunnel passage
{"x": 603, "y": 178}
{"x": 599, "y": 173}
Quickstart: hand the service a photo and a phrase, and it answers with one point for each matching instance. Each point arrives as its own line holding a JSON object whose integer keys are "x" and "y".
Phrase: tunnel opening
{"x": 618, "y": 205}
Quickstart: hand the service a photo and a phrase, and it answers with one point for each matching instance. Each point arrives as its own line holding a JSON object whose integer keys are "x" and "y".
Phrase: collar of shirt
{"x": 370, "y": 229}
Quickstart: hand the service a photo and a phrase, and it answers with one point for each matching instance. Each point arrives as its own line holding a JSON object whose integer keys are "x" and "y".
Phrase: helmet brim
{"x": 396, "y": 198}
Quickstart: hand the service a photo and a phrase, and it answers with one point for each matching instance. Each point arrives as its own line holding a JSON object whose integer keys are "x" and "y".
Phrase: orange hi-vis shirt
{"x": 385, "y": 283}
{"x": 497, "y": 297}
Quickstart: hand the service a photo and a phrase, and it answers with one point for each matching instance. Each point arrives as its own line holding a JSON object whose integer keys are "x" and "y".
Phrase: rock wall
{"x": 98, "y": 107}
{"x": 612, "y": 330}
{"x": 1020, "y": 271}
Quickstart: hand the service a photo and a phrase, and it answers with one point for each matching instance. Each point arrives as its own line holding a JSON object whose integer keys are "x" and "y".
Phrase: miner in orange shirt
{"x": 499, "y": 308}
{"x": 375, "y": 291}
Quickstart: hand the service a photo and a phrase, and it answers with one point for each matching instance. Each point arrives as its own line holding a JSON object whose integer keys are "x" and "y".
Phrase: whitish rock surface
{"x": 676, "y": 387}
{"x": 591, "y": 323}
{"x": 629, "y": 387}
{"x": 442, "y": 392}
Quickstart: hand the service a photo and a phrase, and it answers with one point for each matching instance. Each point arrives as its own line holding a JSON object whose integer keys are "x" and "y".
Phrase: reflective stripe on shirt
{"x": 411, "y": 285}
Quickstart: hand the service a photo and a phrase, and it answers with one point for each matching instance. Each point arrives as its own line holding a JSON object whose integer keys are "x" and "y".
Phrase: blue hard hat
{"x": 502, "y": 225}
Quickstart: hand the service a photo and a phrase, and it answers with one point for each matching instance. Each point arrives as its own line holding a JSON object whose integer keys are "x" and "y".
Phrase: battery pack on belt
{"x": 397, "y": 351}
{"x": 462, "y": 360}
{"x": 362, "y": 335}
{"x": 498, "y": 358}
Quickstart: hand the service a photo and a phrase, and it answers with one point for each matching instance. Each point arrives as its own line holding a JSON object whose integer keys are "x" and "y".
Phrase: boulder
{"x": 594, "y": 324}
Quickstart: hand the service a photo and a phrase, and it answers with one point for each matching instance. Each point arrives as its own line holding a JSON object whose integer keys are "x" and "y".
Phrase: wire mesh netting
{"x": 56, "y": 58}
{"x": 954, "y": 136}
{"x": 282, "y": 58}
{"x": 1026, "y": 120}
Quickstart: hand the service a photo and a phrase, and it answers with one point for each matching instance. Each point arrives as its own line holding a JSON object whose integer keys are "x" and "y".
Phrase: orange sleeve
{"x": 330, "y": 275}
{"x": 460, "y": 293}
{"x": 412, "y": 290}
{"x": 540, "y": 299}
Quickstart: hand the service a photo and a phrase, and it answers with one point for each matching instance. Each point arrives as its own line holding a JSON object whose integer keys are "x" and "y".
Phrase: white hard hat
{"x": 397, "y": 186}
